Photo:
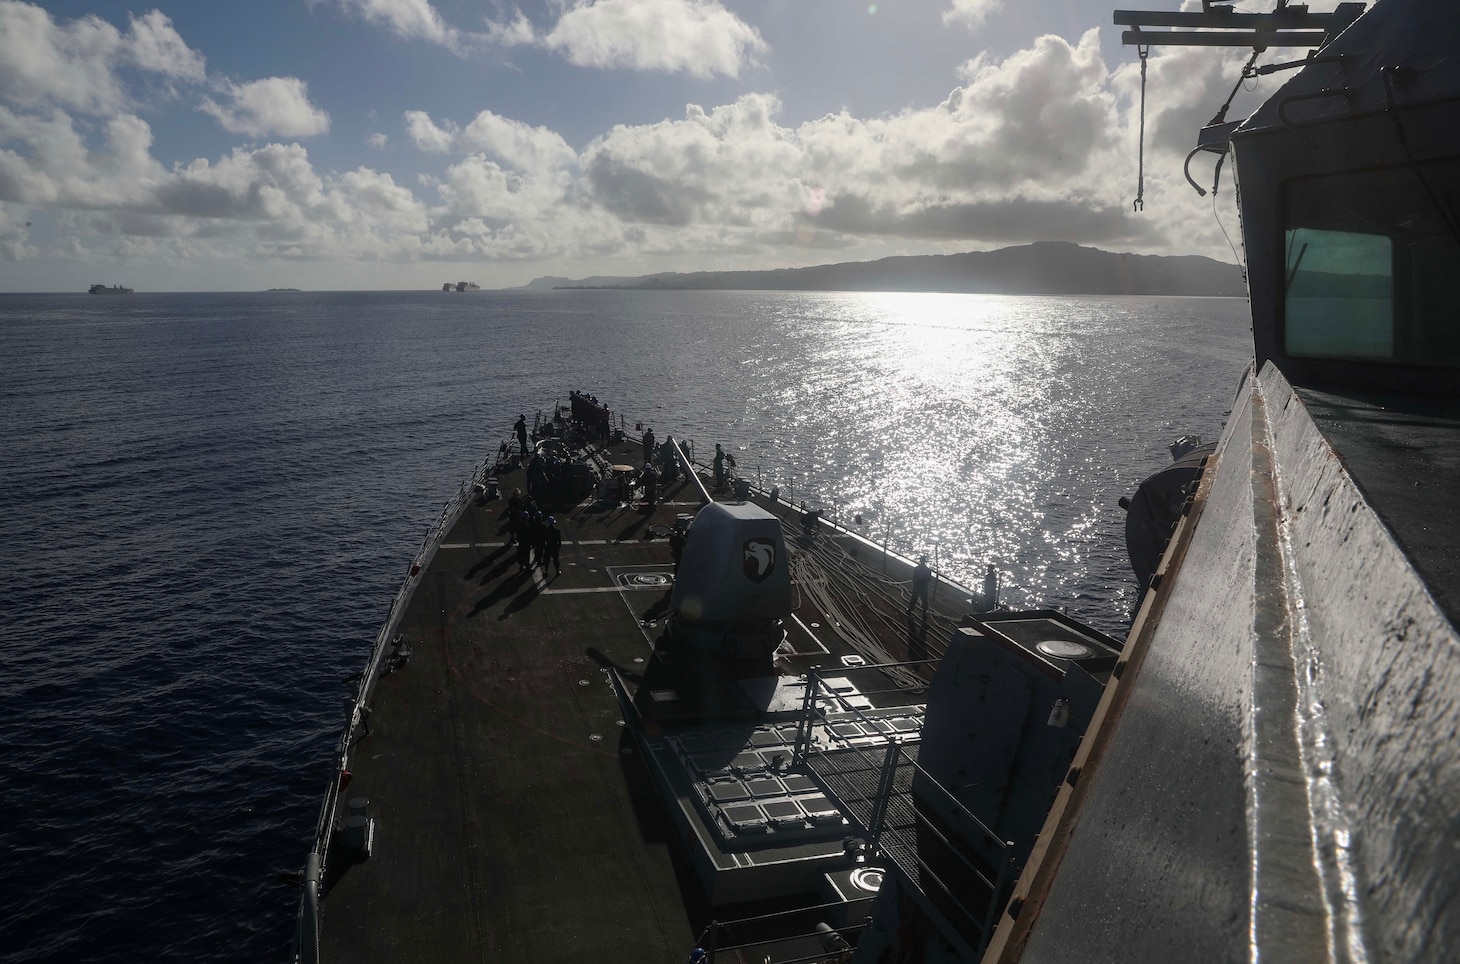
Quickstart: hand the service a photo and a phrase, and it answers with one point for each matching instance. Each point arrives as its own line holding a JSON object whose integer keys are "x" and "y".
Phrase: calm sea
{"x": 209, "y": 500}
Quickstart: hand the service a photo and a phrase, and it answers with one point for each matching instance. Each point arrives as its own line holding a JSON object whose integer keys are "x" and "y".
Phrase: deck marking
{"x": 560, "y": 592}
{"x": 813, "y": 636}
{"x": 624, "y": 595}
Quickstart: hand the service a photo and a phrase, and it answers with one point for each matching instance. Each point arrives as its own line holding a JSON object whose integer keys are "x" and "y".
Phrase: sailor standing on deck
{"x": 538, "y": 539}
{"x": 649, "y": 479}
{"x": 524, "y": 541}
{"x": 514, "y": 511}
{"x": 922, "y": 575}
{"x": 648, "y": 444}
{"x": 521, "y": 429}
{"x": 552, "y": 542}
{"x": 719, "y": 467}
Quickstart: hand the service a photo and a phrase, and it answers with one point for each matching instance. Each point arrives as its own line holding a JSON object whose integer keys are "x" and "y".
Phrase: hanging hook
{"x": 1139, "y": 204}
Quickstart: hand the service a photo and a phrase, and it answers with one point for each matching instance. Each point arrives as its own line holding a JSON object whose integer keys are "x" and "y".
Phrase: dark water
{"x": 209, "y": 500}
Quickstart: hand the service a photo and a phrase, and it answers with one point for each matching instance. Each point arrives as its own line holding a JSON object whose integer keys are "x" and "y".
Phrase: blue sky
{"x": 332, "y": 144}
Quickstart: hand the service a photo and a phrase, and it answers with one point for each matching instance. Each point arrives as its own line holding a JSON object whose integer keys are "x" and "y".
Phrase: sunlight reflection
{"x": 976, "y": 428}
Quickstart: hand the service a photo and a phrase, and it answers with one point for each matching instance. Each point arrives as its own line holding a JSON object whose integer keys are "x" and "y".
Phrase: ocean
{"x": 210, "y": 499}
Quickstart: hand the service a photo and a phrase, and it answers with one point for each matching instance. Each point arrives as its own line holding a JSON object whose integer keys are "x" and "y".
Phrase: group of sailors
{"x": 724, "y": 462}
{"x": 534, "y": 533}
{"x": 663, "y": 454}
{"x": 548, "y": 477}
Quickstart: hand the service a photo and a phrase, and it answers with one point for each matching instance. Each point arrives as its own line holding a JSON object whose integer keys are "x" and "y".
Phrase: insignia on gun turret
{"x": 760, "y": 559}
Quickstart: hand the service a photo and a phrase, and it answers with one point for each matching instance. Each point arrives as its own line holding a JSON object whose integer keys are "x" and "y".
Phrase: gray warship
{"x": 729, "y": 728}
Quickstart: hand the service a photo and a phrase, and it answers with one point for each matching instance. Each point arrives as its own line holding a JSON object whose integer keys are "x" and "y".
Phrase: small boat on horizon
{"x": 112, "y": 290}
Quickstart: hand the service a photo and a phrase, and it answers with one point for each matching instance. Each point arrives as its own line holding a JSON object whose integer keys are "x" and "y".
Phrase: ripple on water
{"x": 214, "y": 497}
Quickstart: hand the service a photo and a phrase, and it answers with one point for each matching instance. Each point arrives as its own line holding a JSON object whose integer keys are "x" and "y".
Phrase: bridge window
{"x": 1372, "y": 266}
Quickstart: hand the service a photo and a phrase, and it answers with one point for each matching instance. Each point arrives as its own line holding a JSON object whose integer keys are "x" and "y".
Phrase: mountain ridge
{"x": 1043, "y": 267}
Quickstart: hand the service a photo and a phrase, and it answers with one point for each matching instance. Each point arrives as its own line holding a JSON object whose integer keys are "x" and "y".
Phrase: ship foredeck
{"x": 515, "y": 819}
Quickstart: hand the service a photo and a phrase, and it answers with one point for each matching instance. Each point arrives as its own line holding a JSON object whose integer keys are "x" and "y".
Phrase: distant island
{"x": 1041, "y": 268}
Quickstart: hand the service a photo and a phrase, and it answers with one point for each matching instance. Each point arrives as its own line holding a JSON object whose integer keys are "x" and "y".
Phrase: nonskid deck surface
{"x": 515, "y": 820}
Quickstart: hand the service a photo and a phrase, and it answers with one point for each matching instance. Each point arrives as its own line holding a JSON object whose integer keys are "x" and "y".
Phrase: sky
{"x": 364, "y": 144}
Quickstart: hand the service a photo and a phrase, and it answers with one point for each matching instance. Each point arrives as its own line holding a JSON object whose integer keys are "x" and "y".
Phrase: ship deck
{"x": 515, "y": 819}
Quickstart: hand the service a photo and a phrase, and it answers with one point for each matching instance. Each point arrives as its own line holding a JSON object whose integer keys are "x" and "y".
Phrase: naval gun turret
{"x": 733, "y": 588}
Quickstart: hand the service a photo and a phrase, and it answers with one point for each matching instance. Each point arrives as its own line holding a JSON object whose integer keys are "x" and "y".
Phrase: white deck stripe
{"x": 813, "y": 636}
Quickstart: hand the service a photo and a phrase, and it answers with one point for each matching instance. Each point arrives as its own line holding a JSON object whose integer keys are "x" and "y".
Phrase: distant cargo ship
{"x": 461, "y": 286}
{"x": 113, "y": 290}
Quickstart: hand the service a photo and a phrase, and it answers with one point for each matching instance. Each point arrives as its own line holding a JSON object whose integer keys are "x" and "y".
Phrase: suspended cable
{"x": 1140, "y": 202}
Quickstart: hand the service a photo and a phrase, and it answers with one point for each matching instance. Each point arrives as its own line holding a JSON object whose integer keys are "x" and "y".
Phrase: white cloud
{"x": 377, "y": 142}
{"x": 426, "y": 135}
{"x": 1028, "y": 141}
{"x": 1040, "y": 144}
{"x": 76, "y": 65}
{"x": 520, "y": 146}
{"x": 409, "y": 20}
{"x": 273, "y": 105}
{"x": 156, "y": 46}
{"x": 265, "y": 201}
{"x": 970, "y": 13}
{"x": 696, "y": 37}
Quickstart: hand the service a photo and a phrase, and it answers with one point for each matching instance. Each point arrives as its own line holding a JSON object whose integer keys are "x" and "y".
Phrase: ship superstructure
{"x": 1276, "y": 774}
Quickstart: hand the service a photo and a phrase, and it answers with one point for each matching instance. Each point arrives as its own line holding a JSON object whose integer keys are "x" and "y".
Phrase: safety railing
{"x": 317, "y": 863}
{"x": 956, "y": 833}
{"x": 787, "y": 929}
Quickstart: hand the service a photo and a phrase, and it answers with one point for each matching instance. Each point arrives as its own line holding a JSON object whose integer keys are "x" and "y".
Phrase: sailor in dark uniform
{"x": 521, "y": 429}
{"x": 514, "y": 513}
{"x": 538, "y": 539}
{"x": 922, "y": 575}
{"x": 552, "y": 541}
{"x": 524, "y": 542}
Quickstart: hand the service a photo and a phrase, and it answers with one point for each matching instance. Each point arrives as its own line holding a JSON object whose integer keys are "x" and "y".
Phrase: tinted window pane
{"x": 1372, "y": 266}
{"x": 1339, "y": 300}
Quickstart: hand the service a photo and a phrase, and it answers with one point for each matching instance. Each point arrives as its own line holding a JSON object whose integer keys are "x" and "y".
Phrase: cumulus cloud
{"x": 377, "y": 141}
{"x": 409, "y": 20}
{"x": 267, "y": 200}
{"x": 970, "y": 13}
{"x": 77, "y": 65}
{"x": 1027, "y": 137}
{"x": 273, "y": 105}
{"x": 156, "y": 46}
{"x": 1036, "y": 145}
{"x": 518, "y": 145}
{"x": 697, "y": 37}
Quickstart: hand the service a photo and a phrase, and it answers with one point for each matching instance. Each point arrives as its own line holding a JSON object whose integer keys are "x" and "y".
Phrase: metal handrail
{"x": 718, "y": 928}
{"x": 316, "y": 865}
{"x": 894, "y": 756}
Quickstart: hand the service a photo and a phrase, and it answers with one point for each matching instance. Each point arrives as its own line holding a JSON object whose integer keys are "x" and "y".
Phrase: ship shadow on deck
{"x": 652, "y": 827}
{"x": 505, "y": 589}
{"x": 917, "y": 636}
{"x": 524, "y": 598}
{"x": 501, "y": 565}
